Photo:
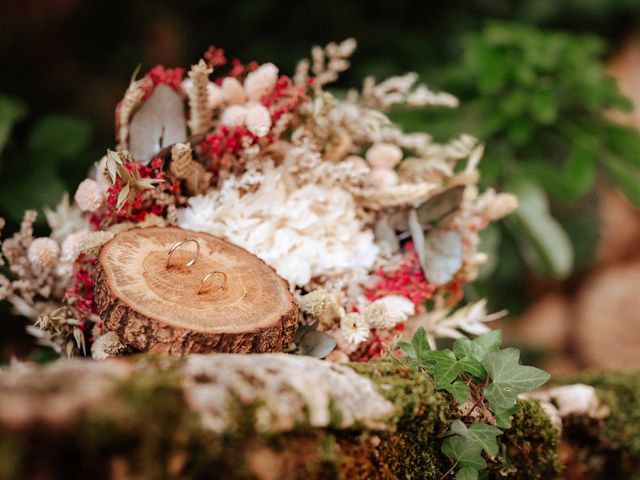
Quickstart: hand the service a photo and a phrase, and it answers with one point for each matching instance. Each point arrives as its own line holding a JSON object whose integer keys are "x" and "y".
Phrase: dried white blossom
{"x": 384, "y": 155}
{"x": 258, "y": 119}
{"x": 234, "y": 116}
{"x": 261, "y": 81}
{"x": 383, "y": 178}
{"x": 233, "y": 91}
{"x": 89, "y": 195}
{"x": 43, "y": 253}
{"x": 65, "y": 219}
{"x": 319, "y": 303}
{"x": 354, "y": 328}
{"x": 301, "y": 232}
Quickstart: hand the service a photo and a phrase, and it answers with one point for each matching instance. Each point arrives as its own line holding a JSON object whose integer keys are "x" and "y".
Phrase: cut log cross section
{"x": 165, "y": 308}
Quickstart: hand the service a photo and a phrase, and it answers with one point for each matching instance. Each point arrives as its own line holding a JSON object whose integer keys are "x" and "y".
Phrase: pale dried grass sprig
{"x": 200, "y": 110}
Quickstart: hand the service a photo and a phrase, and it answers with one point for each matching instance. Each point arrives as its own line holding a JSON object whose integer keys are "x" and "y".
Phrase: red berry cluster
{"x": 81, "y": 293}
{"x": 136, "y": 209}
{"x": 160, "y": 75}
{"x": 407, "y": 281}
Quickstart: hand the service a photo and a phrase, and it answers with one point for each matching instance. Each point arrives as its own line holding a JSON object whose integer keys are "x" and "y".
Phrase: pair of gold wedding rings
{"x": 204, "y": 286}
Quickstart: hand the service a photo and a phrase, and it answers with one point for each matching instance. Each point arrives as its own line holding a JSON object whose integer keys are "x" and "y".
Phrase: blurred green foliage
{"x": 538, "y": 99}
{"x": 38, "y": 169}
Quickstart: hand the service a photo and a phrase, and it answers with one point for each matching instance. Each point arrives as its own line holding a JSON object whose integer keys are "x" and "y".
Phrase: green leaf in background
{"x": 509, "y": 378}
{"x": 626, "y": 176}
{"x": 59, "y": 136}
{"x": 12, "y": 111}
{"x": 547, "y": 246}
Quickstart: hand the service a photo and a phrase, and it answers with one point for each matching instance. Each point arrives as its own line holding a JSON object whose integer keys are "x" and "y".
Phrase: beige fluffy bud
{"x": 89, "y": 195}
{"x": 43, "y": 253}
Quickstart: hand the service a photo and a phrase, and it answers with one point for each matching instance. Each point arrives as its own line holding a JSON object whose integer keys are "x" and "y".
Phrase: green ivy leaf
{"x": 478, "y": 347}
{"x": 408, "y": 349}
{"x": 459, "y": 390}
{"x": 472, "y": 366}
{"x": 509, "y": 378}
{"x": 420, "y": 342}
{"x": 502, "y": 416}
{"x": 480, "y": 433}
{"x": 467, "y": 473}
{"x": 465, "y": 452}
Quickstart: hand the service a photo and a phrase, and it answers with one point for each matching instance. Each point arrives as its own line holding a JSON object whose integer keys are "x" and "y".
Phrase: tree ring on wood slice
{"x": 158, "y": 309}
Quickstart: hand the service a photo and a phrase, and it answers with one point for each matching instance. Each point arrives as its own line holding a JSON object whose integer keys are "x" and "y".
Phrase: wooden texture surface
{"x": 157, "y": 308}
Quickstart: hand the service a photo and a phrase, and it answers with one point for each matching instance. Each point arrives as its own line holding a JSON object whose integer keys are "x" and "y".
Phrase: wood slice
{"x": 159, "y": 309}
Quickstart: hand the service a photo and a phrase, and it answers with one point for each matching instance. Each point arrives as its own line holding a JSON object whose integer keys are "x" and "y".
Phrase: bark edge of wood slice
{"x": 157, "y": 309}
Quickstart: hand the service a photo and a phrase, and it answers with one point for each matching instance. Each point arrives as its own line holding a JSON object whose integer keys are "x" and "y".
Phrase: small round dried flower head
{"x": 215, "y": 95}
{"x": 384, "y": 155}
{"x": 258, "y": 120}
{"x": 43, "y": 253}
{"x": 89, "y": 195}
{"x": 382, "y": 178}
{"x": 354, "y": 328}
{"x": 261, "y": 81}
{"x": 357, "y": 163}
{"x": 71, "y": 246}
{"x": 377, "y": 315}
{"x": 233, "y": 91}
{"x": 234, "y": 116}
{"x": 318, "y": 303}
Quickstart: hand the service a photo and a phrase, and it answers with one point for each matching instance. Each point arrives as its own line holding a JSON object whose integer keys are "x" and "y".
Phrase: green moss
{"x": 529, "y": 449}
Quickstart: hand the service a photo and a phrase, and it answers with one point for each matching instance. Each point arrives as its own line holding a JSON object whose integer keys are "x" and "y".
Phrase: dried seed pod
{"x": 201, "y": 115}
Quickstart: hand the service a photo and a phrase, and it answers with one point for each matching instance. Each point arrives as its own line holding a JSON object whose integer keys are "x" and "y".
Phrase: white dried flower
{"x": 302, "y": 232}
{"x": 382, "y": 178}
{"x": 233, "y": 91}
{"x": 234, "y": 116}
{"x": 377, "y": 316}
{"x": 43, "y": 253}
{"x": 65, "y": 219}
{"x": 354, "y": 328}
{"x": 400, "y": 308}
{"x": 319, "y": 303}
{"x": 89, "y": 195}
{"x": 215, "y": 95}
{"x": 384, "y": 155}
{"x": 261, "y": 81}
{"x": 357, "y": 163}
{"x": 258, "y": 119}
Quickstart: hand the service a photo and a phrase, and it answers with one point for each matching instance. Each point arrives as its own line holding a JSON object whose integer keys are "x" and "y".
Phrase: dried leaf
{"x": 417, "y": 235}
{"x": 160, "y": 122}
{"x": 439, "y": 208}
{"x": 443, "y": 256}
{"x": 316, "y": 344}
{"x": 123, "y": 196}
{"x": 385, "y": 233}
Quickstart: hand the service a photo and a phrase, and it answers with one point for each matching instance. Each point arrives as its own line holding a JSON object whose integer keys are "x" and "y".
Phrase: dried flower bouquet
{"x": 375, "y": 229}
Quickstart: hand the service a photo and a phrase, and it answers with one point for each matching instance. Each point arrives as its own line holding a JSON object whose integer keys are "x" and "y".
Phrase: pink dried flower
{"x": 261, "y": 81}
{"x": 89, "y": 195}
{"x": 383, "y": 178}
{"x": 43, "y": 253}
{"x": 384, "y": 155}
{"x": 258, "y": 120}
{"x": 233, "y": 92}
{"x": 234, "y": 116}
